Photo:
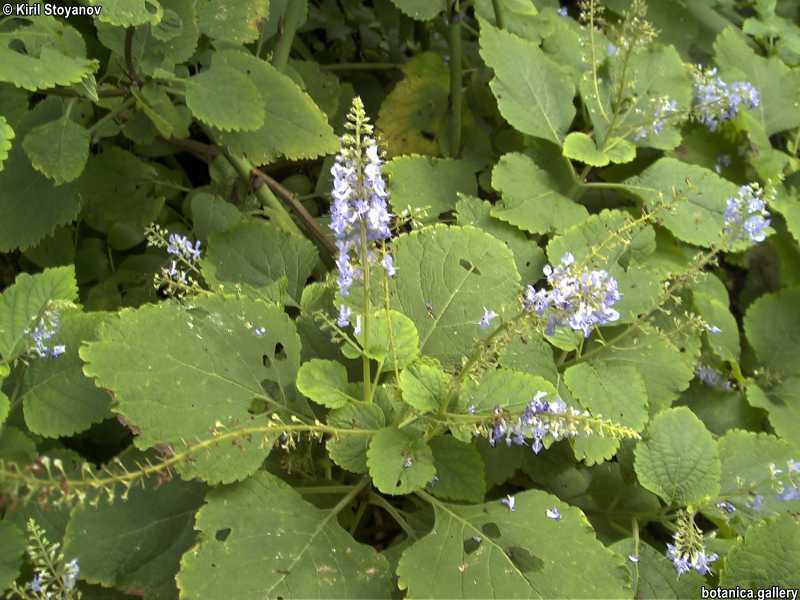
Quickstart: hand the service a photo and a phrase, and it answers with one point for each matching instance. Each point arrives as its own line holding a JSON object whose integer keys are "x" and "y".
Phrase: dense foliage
{"x": 425, "y": 298}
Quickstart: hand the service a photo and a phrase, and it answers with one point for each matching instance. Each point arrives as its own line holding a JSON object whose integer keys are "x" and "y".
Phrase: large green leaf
{"x": 350, "y": 451}
{"x": 455, "y": 271}
{"x": 616, "y": 393}
{"x": 424, "y": 384}
{"x": 58, "y": 149}
{"x": 58, "y": 399}
{"x": 258, "y": 254}
{"x": 698, "y": 197}
{"x": 532, "y": 199}
{"x": 425, "y": 182}
{"x": 6, "y": 135}
{"x": 769, "y": 555}
{"x": 488, "y": 551}
{"x": 294, "y": 127}
{"x": 235, "y": 21}
{"x": 136, "y": 544}
{"x": 177, "y": 373}
{"x": 260, "y": 539}
{"x": 209, "y": 98}
{"x": 31, "y": 206}
{"x": 772, "y": 326}
{"x": 505, "y": 388}
{"x": 533, "y": 93}
{"x": 421, "y": 10}
{"x": 781, "y": 400}
{"x": 127, "y": 13}
{"x": 678, "y": 459}
{"x": 778, "y": 86}
{"x": 528, "y": 256}
{"x": 400, "y": 461}
{"x": 24, "y": 301}
{"x": 12, "y": 549}
{"x": 324, "y": 382}
{"x": 459, "y": 470}
{"x": 211, "y": 214}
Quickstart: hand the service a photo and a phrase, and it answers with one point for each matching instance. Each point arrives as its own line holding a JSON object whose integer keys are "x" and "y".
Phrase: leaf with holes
{"x": 455, "y": 272}
{"x": 178, "y": 373}
{"x": 488, "y": 551}
{"x": 400, "y": 461}
{"x": 295, "y": 550}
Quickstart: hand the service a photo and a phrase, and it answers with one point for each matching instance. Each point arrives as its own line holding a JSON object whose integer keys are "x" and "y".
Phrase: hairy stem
{"x": 365, "y": 323}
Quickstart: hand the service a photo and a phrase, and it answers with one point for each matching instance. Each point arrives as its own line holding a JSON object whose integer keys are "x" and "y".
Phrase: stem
{"x": 278, "y": 213}
{"x": 291, "y": 22}
{"x": 361, "y": 66}
{"x": 114, "y": 112}
{"x": 635, "y": 525}
{"x": 382, "y": 502}
{"x": 365, "y": 324}
{"x": 340, "y": 506}
{"x": 456, "y": 80}
{"x": 131, "y": 69}
{"x": 499, "y": 18}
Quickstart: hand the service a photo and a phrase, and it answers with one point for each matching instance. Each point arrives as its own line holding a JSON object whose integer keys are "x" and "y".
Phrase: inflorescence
{"x": 176, "y": 278}
{"x": 44, "y": 330}
{"x": 746, "y": 214}
{"x": 53, "y": 576}
{"x": 664, "y": 107}
{"x": 579, "y": 300}
{"x": 688, "y": 551}
{"x": 359, "y": 213}
{"x": 713, "y": 378}
{"x": 716, "y": 101}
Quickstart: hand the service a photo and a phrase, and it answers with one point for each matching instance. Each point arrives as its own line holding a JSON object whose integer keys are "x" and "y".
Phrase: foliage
{"x": 531, "y": 332}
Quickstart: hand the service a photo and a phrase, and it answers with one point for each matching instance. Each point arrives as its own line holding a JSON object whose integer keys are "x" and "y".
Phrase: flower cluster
{"x": 53, "y": 576}
{"x": 536, "y": 423}
{"x": 185, "y": 254}
{"x": 687, "y": 551}
{"x": 786, "y": 482}
{"x": 359, "y": 213}
{"x": 746, "y": 214}
{"x": 579, "y": 300}
{"x": 663, "y": 108}
{"x": 713, "y": 378}
{"x": 46, "y": 327}
{"x": 716, "y": 101}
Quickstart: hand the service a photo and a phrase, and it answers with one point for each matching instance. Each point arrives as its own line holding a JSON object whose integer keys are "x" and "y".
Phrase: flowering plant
{"x": 397, "y": 298}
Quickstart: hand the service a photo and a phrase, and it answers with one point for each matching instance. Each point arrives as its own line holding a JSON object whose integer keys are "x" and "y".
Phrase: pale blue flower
{"x": 746, "y": 214}
{"x": 510, "y": 502}
{"x": 486, "y": 319}
{"x": 552, "y": 513}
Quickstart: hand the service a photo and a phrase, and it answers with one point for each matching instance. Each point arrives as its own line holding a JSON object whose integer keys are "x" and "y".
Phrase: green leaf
{"x": 258, "y": 254}
{"x": 294, "y": 127}
{"x": 136, "y": 544}
{"x": 656, "y": 573}
{"x": 778, "y": 86}
{"x": 208, "y": 97}
{"x": 350, "y": 451}
{"x": 31, "y": 206}
{"x": 532, "y": 199}
{"x": 425, "y": 182}
{"x": 782, "y": 403}
{"x": 24, "y": 301}
{"x": 58, "y": 400}
{"x": 772, "y": 326}
{"x": 128, "y": 13}
{"x": 699, "y": 197}
{"x": 179, "y": 373}
{"x": 579, "y": 146}
{"x": 43, "y": 66}
{"x": 399, "y": 461}
{"x": 745, "y": 458}
{"x": 620, "y": 150}
{"x": 614, "y": 392}
{"x": 678, "y": 459}
{"x": 645, "y": 348}
{"x": 505, "y": 388}
{"x": 236, "y": 21}
{"x": 769, "y": 555}
{"x": 459, "y": 469}
{"x": 724, "y": 344}
{"x": 294, "y": 549}
{"x": 117, "y": 187}
{"x": 528, "y": 256}
{"x": 6, "y": 135}
{"x": 532, "y": 354}
{"x": 5, "y": 406}
{"x": 424, "y": 384}
{"x": 487, "y": 551}
{"x": 393, "y": 338}
{"x": 58, "y": 149}
{"x": 323, "y": 86}
{"x": 324, "y": 382}
{"x": 456, "y": 271}
{"x": 421, "y": 10}
{"x": 12, "y": 549}
{"x": 412, "y": 116}
{"x": 211, "y": 214}
{"x": 533, "y": 93}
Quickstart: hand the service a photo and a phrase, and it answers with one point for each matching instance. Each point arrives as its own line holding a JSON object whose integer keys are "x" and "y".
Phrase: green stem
{"x": 635, "y": 525}
{"x": 365, "y": 324}
{"x": 291, "y": 22}
{"x": 382, "y": 502}
{"x": 456, "y": 80}
{"x": 499, "y": 18}
{"x": 278, "y": 213}
{"x": 111, "y": 115}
